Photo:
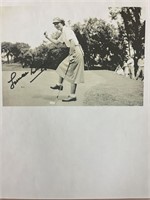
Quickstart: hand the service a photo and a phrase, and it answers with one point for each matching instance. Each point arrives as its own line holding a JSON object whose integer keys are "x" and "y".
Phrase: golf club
{"x": 57, "y": 97}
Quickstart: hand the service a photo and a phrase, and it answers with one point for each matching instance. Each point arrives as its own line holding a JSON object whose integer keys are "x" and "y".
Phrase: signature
{"x": 33, "y": 71}
{"x": 13, "y": 80}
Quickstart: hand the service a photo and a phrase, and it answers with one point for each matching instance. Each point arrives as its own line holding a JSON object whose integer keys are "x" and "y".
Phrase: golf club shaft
{"x": 57, "y": 98}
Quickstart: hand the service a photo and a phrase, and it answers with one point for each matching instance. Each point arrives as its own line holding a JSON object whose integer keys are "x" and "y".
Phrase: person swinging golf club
{"x": 72, "y": 67}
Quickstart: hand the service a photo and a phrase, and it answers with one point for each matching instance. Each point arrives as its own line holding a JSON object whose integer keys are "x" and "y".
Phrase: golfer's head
{"x": 58, "y": 23}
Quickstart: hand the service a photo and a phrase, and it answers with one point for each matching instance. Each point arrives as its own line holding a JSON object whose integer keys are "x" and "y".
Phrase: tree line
{"x": 105, "y": 45}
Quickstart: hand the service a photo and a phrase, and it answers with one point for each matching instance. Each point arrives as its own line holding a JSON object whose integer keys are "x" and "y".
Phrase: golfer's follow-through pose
{"x": 72, "y": 67}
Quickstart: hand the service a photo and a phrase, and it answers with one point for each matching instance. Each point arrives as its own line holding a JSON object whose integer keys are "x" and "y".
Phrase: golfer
{"x": 130, "y": 64}
{"x": 72, "y": 67}
{"x": 140, "y": 68}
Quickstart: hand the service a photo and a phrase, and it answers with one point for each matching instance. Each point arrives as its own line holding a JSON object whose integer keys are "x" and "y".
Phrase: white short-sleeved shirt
{"x": 67, "y": 35}
{"x": 141, "y": 62}
{"x": 130, "y": 62}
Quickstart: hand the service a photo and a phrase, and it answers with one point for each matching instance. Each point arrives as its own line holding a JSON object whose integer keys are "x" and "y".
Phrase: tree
{"x": 18, "y": 49}
{"x": 49, "y": 56}
{"x": 6, "y": 47}
{"x": 134, "y": 29}
{"x": 100, "y": 40}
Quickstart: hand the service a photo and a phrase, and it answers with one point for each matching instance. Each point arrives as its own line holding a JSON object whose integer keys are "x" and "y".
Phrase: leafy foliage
{"x": 133, "y": 29}
{"x": 102, "y": 41}
{"x": 19, "y": 48}
{"x": 104, "y": 45}
{"x": 14, "y": 49}
{"x": 49, "y": 56}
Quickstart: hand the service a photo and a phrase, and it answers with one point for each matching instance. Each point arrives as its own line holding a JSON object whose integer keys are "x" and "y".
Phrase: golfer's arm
{"x": 53, "y": 40}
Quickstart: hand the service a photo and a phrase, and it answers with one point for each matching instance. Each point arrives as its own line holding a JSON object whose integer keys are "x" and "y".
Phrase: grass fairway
{"x": 101, "y": 88}
{"x": 116, "y": 91}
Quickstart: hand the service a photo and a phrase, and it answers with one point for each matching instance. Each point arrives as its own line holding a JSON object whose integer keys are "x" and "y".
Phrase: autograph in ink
{"x": 13, "y": 80}
{"x": 34, "y": 71}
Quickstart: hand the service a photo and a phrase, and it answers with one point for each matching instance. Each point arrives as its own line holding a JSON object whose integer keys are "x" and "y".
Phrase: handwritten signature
{"x": 13, "y": 80}
{"x": 33, "y": 71}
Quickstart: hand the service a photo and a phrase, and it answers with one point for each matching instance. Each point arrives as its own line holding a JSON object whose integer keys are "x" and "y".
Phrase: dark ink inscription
{"x": 33, "y": 71}
{"x": 14, "y": 81}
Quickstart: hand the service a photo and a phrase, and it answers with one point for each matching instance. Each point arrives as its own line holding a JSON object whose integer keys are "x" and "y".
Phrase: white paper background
{"x": 76, "y": 152}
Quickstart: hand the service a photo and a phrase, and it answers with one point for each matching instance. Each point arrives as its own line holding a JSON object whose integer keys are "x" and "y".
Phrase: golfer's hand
{"x": 45, "y": 34}
{"x": 71, "y": 58}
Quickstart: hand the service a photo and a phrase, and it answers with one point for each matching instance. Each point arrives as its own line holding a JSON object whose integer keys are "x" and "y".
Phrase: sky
{"x": 27, "y": 23}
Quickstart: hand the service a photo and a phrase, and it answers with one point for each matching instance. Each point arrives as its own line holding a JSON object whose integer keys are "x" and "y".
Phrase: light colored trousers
{"x": 132, "y": 72}
{"x": 140, "y": 69}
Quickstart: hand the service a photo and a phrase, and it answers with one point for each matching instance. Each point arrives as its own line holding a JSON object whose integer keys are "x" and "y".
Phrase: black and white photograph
{"x": 73, "y": 54}
{"x": 75, "y": 100}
